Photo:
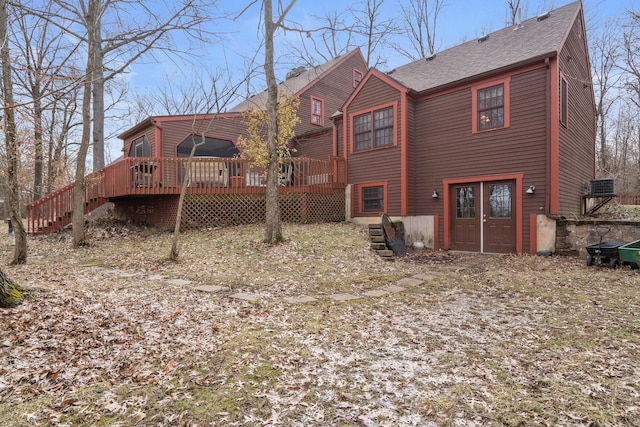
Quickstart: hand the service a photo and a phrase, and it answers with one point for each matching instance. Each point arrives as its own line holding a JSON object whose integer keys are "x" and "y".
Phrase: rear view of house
{"x": 471, "y": 146}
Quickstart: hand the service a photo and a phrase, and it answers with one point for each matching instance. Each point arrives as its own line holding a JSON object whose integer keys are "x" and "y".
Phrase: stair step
{"x": 377, "y": 239}
{"x": 385, "y": 253}
{"x": 374, "y": 232}
{"x": 378, "y": 246}
{"x": 375, "y": 226}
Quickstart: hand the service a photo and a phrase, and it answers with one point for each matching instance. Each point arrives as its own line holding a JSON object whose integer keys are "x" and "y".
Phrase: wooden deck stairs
{"x": 378, "y": 243}
{"x": 54, "y": 212}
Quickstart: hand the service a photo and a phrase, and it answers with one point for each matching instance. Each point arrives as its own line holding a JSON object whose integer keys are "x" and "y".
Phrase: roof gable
{"x": 383, "y": 77}
{"x": 533, "y": 39}
{"x": 297, "y": 83}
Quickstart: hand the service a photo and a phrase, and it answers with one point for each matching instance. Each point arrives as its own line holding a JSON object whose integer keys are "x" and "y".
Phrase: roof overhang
{"x": 482, "y": 76}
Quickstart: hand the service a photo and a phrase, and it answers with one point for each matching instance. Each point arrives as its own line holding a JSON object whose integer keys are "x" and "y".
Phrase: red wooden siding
{"x": 226, "y": 127}
{"x": 444, "y": 146}
{"x": 332, "y": 88}
{"x": 316, "y": 146}
{"x": 381, "y": 164}
{"x": 149, "y": 132}
{"x": 576, "y": 141}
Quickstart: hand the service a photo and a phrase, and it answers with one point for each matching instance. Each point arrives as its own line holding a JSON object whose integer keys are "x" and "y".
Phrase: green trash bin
{"x": 630, "y": 254}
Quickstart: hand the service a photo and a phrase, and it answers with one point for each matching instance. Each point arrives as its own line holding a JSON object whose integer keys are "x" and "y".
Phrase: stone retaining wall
{"x": 573, "y": 236}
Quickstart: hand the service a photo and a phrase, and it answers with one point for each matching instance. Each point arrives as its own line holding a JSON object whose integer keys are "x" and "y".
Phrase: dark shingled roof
{"x": 291, "y": 85}
{"x": 535, "y": 38}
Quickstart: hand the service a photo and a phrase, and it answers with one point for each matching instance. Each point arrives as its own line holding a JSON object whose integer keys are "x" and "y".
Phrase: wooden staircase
{"x": 54, "y": 211}
{"x": 378, "y": 243}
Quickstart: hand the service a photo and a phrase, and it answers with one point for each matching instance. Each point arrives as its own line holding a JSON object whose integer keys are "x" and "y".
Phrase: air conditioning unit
{"x": 601, "y": 187}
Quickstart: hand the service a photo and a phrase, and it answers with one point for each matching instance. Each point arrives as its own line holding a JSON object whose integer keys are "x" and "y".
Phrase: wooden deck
{"x": 138, "y": 177}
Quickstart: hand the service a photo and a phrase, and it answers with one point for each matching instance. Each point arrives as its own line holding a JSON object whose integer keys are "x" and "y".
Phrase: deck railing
{"x": 162, "y": 175}
{"x": 202, "y": 175}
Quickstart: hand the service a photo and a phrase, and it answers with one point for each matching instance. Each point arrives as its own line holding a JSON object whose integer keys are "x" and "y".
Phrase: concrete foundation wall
{"x": 545, "y": 234}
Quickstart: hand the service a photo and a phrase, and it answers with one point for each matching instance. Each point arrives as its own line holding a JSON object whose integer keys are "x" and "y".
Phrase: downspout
{"x": 548, "y": 136}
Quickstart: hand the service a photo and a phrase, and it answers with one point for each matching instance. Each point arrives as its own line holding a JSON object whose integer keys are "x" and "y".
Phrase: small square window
{"x": 373, "y": 199}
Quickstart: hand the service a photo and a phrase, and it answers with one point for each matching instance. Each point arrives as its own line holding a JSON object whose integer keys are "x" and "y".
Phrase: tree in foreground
{"x": 12, "y": 152}
{"x": 273, "y": 225}
{"x": 10, "y": 292}
{"x": 269, "y": 154}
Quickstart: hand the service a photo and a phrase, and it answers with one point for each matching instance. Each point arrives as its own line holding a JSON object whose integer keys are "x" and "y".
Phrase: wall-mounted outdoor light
{"x": 435, "y": 194}
{"x": 531, "y": 189}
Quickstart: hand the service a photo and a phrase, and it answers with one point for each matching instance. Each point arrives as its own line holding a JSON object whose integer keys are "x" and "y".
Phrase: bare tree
{"x": 369, "y": 24}
{"x": 61, "y": 121}
{"x": 273, "y": 225}
{"x": 605, "y": 57}
{"x": 333, "y": 37}
{"x": 222, "y": 92}
{"x": 186, "y": 95}
{"x": 134, "y": 30}
{"x": 20, "y": 249}
{"x": 420, "y": 19}
{"x": 91, "y": 15}
{"x": 515, "y": 8}
{"x": 363, "y": 25}
{"x": 42, "y": 61}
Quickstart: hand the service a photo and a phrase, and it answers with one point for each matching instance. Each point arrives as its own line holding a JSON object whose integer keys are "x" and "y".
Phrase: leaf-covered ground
{"x": 114, "y": 334}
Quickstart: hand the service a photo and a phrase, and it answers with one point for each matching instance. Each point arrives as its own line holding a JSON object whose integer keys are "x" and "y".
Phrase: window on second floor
{"x": 373, "y": 129}
{"x": 317, "y": 111}
{"x": 357, "y": 77}
{"x": 491, "y": 107}
{"x": 563, "y": 101}
{"x": 140, "y": 148}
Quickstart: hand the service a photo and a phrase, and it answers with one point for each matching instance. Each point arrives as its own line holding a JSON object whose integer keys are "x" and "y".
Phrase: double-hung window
{"x": 373, "y": 199}
{"x": 491, "y": 107}
{"x": 373, "y": 129}
{"x": 317, "y": 111}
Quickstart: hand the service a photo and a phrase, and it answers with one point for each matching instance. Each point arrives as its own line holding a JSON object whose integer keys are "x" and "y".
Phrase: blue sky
{"x": 458, "y": 21}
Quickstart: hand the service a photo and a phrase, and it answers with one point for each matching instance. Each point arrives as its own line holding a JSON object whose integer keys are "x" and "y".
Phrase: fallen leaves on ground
{"x": 109, "y": 336}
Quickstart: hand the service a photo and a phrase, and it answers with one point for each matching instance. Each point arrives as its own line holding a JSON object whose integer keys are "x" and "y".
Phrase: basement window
{"x": 373, "y": 198}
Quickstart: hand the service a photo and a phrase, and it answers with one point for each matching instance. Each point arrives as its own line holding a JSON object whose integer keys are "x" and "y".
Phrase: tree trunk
{"x": 20, "y": 249}
{"x": 98, "y": 100}
{"x": 77, "y": 220}
{"x": 37, "y": 139}
{"x": 175, "y": 242}
{"x": 273, "y": 225}
{"x": 10, "y": 292}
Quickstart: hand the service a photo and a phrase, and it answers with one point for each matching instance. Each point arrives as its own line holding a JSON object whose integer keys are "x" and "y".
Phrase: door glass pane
{"x": 500, "y": 201}
{"x": 465, "y": 202}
